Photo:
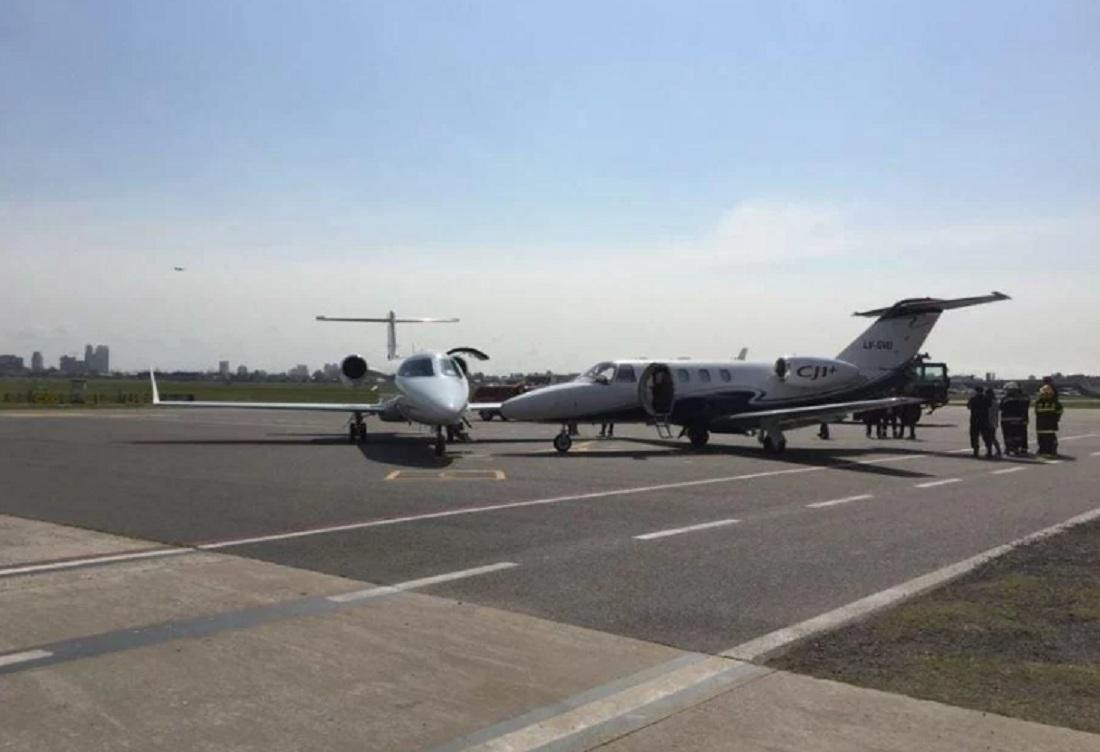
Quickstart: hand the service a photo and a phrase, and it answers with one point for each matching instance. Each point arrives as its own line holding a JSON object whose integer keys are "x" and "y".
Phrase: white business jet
{"x": 432, "y": 387}
{"x": 741, "y": 397}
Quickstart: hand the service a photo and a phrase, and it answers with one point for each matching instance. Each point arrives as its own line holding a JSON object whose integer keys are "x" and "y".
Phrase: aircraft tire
{"x": 486, "y": 415}
{"x": 562, "y": 442}
{"x": 698, "y": 437}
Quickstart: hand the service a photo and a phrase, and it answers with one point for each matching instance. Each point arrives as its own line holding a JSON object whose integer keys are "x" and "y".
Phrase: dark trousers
{"x": 1048, "y": 442}
{"x": 1015, "y": 437}
{"x": 985, "y": 433}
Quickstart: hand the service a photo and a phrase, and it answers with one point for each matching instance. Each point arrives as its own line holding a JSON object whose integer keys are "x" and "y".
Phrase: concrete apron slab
{"x": 408, "y": 671}
{"x": 783, "y": 711}
{"x": 29, "y": 541}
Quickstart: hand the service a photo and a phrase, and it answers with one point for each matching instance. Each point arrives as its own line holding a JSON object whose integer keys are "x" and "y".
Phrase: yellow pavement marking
{"x": 447, "y": 475}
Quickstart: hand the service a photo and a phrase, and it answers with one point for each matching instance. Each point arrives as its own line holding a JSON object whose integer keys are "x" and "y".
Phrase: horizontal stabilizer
{"x": 388, "y": 320}
{"x": 912, "y": 306}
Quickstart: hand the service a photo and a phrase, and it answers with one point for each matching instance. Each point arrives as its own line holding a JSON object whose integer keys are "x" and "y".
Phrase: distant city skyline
{"x": 574, "y": 181}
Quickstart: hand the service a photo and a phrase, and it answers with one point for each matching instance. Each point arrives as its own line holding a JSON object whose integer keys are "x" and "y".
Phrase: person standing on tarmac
{"x": 1014, "y": 418}
{"x": 1048, "y": 411}
{"x": 994, "y": 421}
{"x": 978, "y": 405}
{"x": 910, "y": 416}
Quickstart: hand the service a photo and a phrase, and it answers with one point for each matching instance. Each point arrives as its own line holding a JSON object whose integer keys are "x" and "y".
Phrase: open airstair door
{"x": 656, "y": 391}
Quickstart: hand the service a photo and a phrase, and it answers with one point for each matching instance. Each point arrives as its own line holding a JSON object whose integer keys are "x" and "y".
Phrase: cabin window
{"x": 704, "y": 375}
{"x": 626, "y": 374}
{"x": 682, "y": 374}
{"x": 724, "y": 373}
{"x": 416, "y": 367}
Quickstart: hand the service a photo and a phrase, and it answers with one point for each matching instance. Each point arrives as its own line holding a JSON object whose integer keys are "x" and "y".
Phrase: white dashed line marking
{"x": 834, "y": 502}
{"x": 1008, "y": 470}
{"x": 934, "y": 483}
{"x": 1095, "y": 454}
{"x": 26, "y": 655}
{"x": 688, "y": 529}
{"x": 374, "y": 592}
{"x": 1051, "y": 462}
{"x": 106, "y": 559}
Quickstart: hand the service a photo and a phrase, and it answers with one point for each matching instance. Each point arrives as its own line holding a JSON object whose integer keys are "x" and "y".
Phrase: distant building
{"x": 102, "y": 360}
{"x": 223, "y": 369}
{"x": 37, "y": 363}
{"x": 11, "y": 365}
{"x": 242, "y": 372}
{"x": 70, "y": 365}
{"x": 299, "y": 372}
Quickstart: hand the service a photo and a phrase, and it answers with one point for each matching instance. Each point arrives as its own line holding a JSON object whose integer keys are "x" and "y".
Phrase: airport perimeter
{"x": 253, "y": 581}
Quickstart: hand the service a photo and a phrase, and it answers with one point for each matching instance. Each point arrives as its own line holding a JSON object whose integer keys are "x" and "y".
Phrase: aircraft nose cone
{"x": 543, "y": 404}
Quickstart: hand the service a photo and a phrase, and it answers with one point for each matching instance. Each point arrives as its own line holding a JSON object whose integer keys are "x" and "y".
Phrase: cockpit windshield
{"x": 416, "y": 367}
{"x": 448, "y": 367}
{"x": 601, "y": 373}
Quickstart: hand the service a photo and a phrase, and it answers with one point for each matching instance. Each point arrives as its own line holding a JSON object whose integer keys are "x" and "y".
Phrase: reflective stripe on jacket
{"x": 1047, "y": 414}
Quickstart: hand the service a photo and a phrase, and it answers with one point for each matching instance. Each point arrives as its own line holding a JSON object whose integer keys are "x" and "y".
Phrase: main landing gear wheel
{"x": 440, "y": 442}
{"x": 698, "y": 437}
{"x": 563, "y": 441}
{"x": 774, "y": 446}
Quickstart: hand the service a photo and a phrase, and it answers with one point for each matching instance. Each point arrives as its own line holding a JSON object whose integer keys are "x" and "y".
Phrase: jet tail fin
{"x": 899, "y": 331}
{"x": 391, "y": 329}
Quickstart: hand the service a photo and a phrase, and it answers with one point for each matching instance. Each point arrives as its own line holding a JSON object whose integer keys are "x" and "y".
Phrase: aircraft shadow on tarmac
{"x": 387, "y": 448}
{"x": 847, "y": 458}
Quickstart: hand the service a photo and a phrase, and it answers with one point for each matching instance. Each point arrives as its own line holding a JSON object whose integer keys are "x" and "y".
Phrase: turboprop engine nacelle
{"x": 814, "y": 372}
{"x": 353, "y": 370}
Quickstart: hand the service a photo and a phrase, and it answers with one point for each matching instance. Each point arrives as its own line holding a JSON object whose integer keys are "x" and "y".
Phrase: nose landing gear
{"x": 440, "y": 441}
{"x": 563, "y": 441}
{"x": 357, "y": 430}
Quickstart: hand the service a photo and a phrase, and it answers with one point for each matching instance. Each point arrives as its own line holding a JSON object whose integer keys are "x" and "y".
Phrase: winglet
{"x": 153, "y": 383}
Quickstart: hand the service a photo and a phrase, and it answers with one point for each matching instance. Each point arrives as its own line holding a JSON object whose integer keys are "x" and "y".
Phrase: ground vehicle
{"x": 929, "y": 382}
{"x": 496, "y": 393}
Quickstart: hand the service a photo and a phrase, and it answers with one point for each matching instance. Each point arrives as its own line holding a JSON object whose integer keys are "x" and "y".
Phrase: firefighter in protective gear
{"x": 1015, "y": 408}
{"x": 1048, "y": 411}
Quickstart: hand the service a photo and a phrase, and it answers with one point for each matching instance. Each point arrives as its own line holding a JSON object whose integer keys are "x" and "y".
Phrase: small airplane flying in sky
{"x": 742, "y": 397}
{"x": 178, "y": 268}
{"x": 432, "y": 388}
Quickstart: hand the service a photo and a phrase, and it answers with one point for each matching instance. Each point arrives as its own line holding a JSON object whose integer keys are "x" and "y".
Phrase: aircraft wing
{"x": 794, "y": 417}
{"x": 331, "y": 407}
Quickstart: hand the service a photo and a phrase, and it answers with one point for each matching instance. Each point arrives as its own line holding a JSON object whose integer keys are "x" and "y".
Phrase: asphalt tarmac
{"x": 634, "y": 536}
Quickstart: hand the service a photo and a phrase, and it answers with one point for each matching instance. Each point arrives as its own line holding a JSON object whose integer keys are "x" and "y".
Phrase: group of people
{"x": 1011, "y": 414}
{"x": 892, "y": 422}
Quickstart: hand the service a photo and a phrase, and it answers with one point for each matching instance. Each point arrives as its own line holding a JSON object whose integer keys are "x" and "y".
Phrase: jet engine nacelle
{"x": 814, "y": 372}
{"x": 353, "y": 370}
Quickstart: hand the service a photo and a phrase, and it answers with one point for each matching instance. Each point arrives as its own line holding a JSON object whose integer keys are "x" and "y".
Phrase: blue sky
{"x": 558, "y": 158}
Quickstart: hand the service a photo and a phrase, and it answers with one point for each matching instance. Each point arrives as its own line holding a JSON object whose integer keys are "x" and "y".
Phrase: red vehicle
{"x": 496, "y": 393}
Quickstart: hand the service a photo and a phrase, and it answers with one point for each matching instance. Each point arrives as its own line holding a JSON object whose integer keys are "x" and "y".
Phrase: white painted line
{"x": 106, "y": 559}
{"x": 1008, "y": 470}
{"x": 1051, "y": 462}
{"x": 587, "y": 726}
{"x": 1095, "y": 454}
{"x": 688, "y": 529}
{"x": 374, "y": 592}
{"x": 26, "y": 655}
{"x": 1079, "y": 436}
{"x": 834, "y": 502}
{"x": 498, "y": 507}
{"x": 232, "y": 543}
{"x": 766, "y": 645}
{"x": 934, "y": 483}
